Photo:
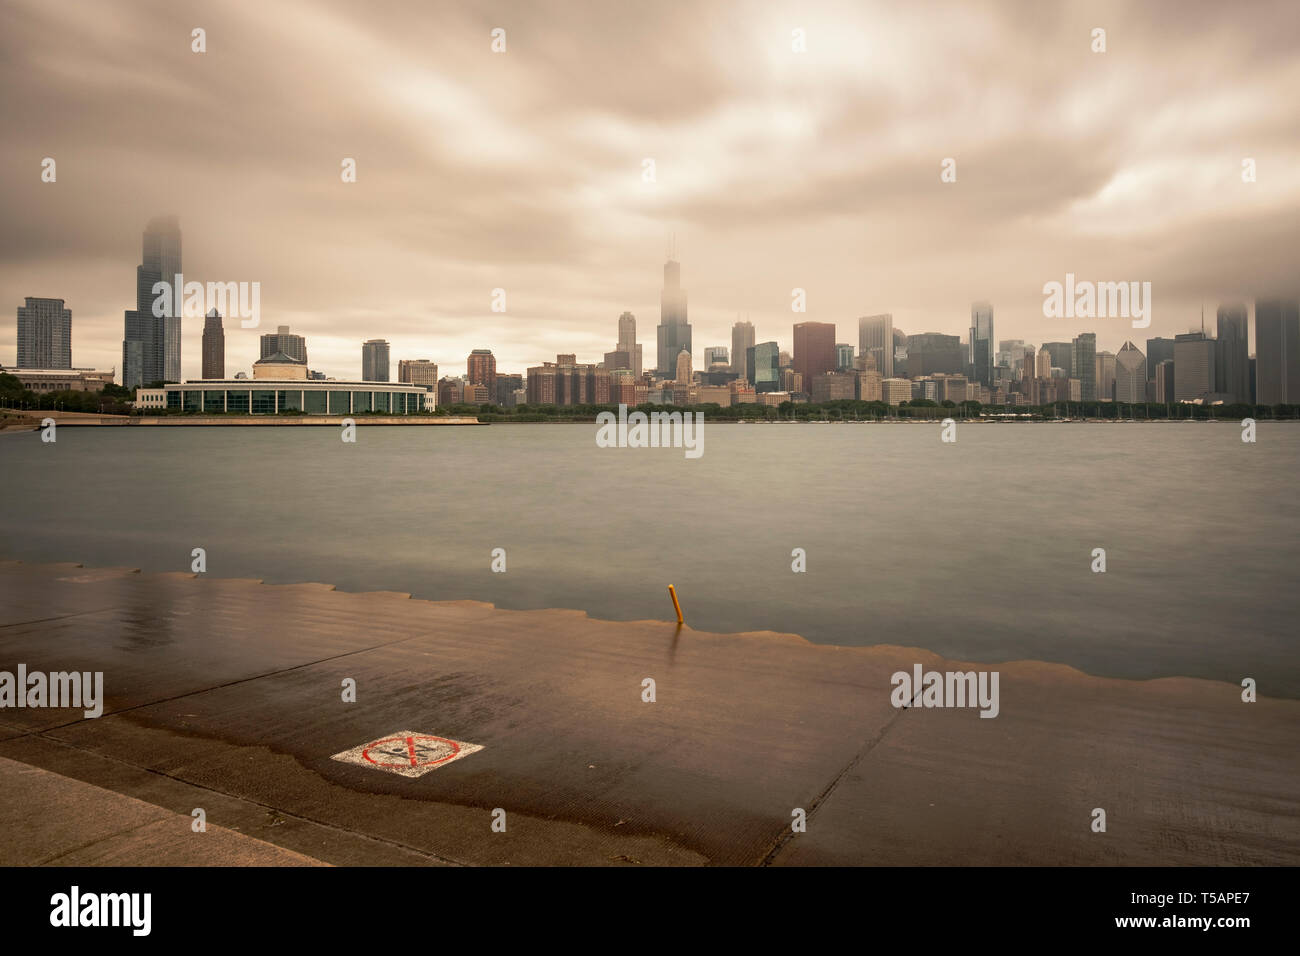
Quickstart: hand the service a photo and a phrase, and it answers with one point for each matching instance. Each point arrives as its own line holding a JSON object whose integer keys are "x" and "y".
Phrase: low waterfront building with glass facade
{"x": 297, "y": 396}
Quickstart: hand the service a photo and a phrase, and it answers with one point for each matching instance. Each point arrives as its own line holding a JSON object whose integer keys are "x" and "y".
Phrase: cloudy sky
{"x": 523, "y": 170}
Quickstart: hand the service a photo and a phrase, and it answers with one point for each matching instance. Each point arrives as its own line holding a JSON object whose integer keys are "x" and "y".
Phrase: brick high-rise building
{"x": 567, "y": 383}
{"x": 832, "y": 386}
{"x": 417, "y": 372}
{"x": 814, "y": 350}
{"x": 481, "y": 369}
{"x": 507, "y": 385}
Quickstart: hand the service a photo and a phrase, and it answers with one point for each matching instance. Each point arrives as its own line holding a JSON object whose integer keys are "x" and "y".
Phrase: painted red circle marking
{"x": 410, "y": 746}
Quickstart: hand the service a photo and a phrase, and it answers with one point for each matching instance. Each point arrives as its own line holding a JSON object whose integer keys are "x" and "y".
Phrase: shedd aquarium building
{"x": 280, "y": 385}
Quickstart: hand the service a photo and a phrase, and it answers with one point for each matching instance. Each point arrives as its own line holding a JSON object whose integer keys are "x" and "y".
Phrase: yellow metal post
{"x": 672, "y": 593}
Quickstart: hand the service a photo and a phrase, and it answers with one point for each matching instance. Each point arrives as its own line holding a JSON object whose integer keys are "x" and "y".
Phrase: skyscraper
{"x": 417, "y": 372}
{"x": 814, "y": 350}
{"x": 1130, "y": 375}
{"x": 1106, "y": 376}
{"x": 931, "y": 352}
{"x": 714, "y": 354}
{"x": 876, "y": 338}
{"x": 981, "y": 342}
{"x": 481, "y": 369}
{"x": 1158, "y": 350}
{"x": 374, "y": 360}
{"x": 1232, "y": 355}
{"x": 627, "y": 342}
{"x": 1061, "y": 355}
{"x": 1277, "y": 352}
{"x": 742, "y": 340}
{"x": 1043, "y": 363}
{"x": 214, "y": 346}
{"x": 674, "y": 330}
{"x": 763, "y": 367}
{"x": 1084, "y": 363}
{"x": 683, "y": 372}
{"x": 44, "y": 334}
{"x": 151, "y": 345}
{"x": 843, "y": 356}
{"x": 282, "y": 340}
{"x": 1194, "y": 363}
{"x": 1164, "y": 381}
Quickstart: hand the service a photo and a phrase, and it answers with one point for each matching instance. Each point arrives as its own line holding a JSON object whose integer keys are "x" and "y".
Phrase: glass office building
{"x": 269, "y": 397}
{"x": 763, "y": 367}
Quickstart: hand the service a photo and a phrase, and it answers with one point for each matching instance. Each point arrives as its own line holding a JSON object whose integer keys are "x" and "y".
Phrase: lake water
{"x": 980, "y": 549}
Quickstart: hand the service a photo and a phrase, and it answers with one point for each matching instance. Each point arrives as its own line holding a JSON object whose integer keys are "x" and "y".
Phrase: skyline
{"x": 774, "y": 170}
{"x": 673, "y": 314}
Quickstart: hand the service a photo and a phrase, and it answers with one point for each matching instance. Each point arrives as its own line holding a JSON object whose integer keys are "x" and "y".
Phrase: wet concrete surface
{"x": 228, "y": 695}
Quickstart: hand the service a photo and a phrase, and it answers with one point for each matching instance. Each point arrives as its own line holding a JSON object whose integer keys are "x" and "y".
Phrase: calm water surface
{"x": 980, "y": 549}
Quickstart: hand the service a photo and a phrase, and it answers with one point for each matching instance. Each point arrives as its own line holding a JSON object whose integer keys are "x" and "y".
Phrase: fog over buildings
{"x": 524, "y": 170}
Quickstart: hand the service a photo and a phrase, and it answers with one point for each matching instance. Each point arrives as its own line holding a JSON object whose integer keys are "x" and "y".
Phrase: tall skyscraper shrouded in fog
{"x": 674, "y": 329}
{"x": 1277, "y": 352}
{"x": 44, "y": 334}
{"x": 214, "y": 346}
{"x": 814, "y": 350}
{"x": 151, "y": 345}
{"x": 876, "y": 338}
{"x": 481, "y": 369}
{"x": 742, "y": 340}
{"x": 981, "y": 343}
{"x": 627, "y": 342}
{"x": 374, "y": 360}
{"x": 282, "y": 340}
{"x": 1232, "y": 354}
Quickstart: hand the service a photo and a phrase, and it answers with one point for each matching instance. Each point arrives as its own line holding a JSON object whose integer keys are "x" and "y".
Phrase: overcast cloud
{"x": 523, "y": 170}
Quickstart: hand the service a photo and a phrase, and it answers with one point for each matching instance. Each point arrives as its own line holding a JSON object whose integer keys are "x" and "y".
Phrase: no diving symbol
{"x": 408, "y": 753}
{"x": 422, "y": 750}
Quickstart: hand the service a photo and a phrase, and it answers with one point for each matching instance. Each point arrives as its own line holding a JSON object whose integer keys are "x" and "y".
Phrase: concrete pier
{"x": 228, "y": 695}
